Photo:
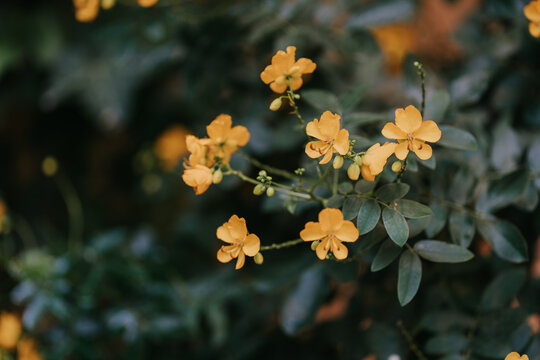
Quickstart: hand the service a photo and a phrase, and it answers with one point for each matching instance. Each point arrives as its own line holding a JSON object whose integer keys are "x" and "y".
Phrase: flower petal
{"x": 219, "y": 128}
{"x": 377, "y": 157}
{"x": 305, "y": 65}
{"x": 391, "y": 131}
{"x": 408, "y": 119}
{"x": 329, "y": 125}
{"x": 327, "y": 156}
{"x": 315, "y": 149}
{"x": 312, "y": 129}
{"x": 296, "y": 83}
{"x": 312, "y": 231}
{"x": 330, "y": 219}
{"x": 340, "y": 251}
{"x": 223, "y": 256}
{"x": 532, "y": 11}
{"x": 422, "y": 150}
{"x": 270, "y": 74}
{"x": 366, "y": 173}
{"x": 223, "y": 234}
{"x": 252, "y": 245}
{"x": 241, "y": 260}
{"x": 348, "y": 232}
{"x": 534, "y": 29}
{"x": 239, "y": 135}
{"x": 341, "y": 143}
{"x": 428, "y": 131}
{"x": 278, "y": 88}
{"x": 237, "y": 228}
{"x": 402, "y": 150}
{"x": 322, "y": 249}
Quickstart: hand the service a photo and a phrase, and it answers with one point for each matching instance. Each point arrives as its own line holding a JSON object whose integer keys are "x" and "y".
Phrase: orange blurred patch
{"x": 533, "y": 321}
{"x": 171, "y": 146}
{"x": 395, "y": 41}
{"x": 86, "y": 10}
{"x": 483, "y": 248}
{"x": 535, "y": 263}
{"x": 338, "y": 306}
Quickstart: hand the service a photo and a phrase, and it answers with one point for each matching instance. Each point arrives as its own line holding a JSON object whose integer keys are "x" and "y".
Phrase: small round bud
{"x": 338, "y": 162}
{"x": 396, "y": 166}
{"x": 262, "y": 173}
{"x": 358, "y": 160}
{"x": 297, "y": 96}
{"x": 49, "y": 166}
{"x": 353, "y": 171}
{"x": 259, "y": 189}
{"x": 315, "y": 244}
{"x": 276, "y": 104}
{"x": 217, "y": 176}
{"x": 270, "y": 192}
{"x": 258, "y": 258}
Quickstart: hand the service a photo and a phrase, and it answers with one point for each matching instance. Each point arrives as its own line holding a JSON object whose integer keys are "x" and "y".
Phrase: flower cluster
{"x": 10, "y": 338}
{"x": 532, "y": 12}
{"x": 207, "y": 155}
{"x": 234, "y": 232}
{"x": 87, "y": 10}
{"x": 515, "y": 356}
{"x": 285, "y": 72}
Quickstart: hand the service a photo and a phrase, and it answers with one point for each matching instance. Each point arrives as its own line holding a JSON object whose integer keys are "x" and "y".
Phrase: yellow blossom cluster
{"x": 10, "y": 338}
{"x": 532, "y": 12}
{"x": 87, "y": 10}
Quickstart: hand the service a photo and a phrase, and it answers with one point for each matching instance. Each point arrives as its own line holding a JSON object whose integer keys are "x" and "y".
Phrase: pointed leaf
{"x": 368, "y": 216}
{"x": 462, "y": 228}
{"x": 390, "y": 192}
{"x": 457, "y": 138}
{"x": 442, "y": 252}
{"x": 409, "y": 276}
{"x": 505, "y": 238}
{"x": 412, "y": 209}
{"x": 387, "y": 253}
{"x": 395, "y": 226}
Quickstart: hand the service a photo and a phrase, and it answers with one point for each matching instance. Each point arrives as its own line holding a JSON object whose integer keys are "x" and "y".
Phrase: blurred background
{"x": 107, "y": 254}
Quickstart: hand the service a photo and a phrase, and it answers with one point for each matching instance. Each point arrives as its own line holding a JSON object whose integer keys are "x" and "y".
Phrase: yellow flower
{"x": 235, "y": 233}
{"x": 532, "y": 12}
{"x": 171, "y": 146}
{"x": 412, "y": 133}
{"x": 285, "y": 68}
{"x": 10, "y": 330}
{"x": 199, "y": 177}
{"x": 375, "y": 158}
{"x": 26, "y": 350}
{"x": 86, "y": 10}
{"x": 515, "y": 356}
{"x": 331, "y": 138}
{"x": 147, "y": 3}
{"x": 331, "y": 229}
{"x": 224, "y": 138}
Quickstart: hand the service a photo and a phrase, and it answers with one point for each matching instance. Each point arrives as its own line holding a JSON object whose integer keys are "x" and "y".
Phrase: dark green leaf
{"x": 461, "y": 226}
{"x": 345, "y": 187}
{"x": 335, "y": 201}
{"x": 390, "y": 192}
{"x": 352, "y": 97}
{"x": 430, "y": 163}
{"x": 395, "y": 226}
{"x": 457, "y": 138}
{"x": 351, "y": 206}
{"x": 503, "y": 289}
{"x": 321, "y": 100}
{"x": 505, "y": 238}
{"x": 412, "y": 209}
{"x": 529, "y": 199}
{"x": 387, "y": 253}
{"x": 362, "y": 186}
{"x": 436, "y": 105}
{"x": 446, "y": 343}
{"x": 409, "y": 276}
{"x": 362, "y": 118}
{"x": 416, "y": 226}
{"x": 440, "y": 251}
{"x": 462, "y": 186}
{"x": 503, "y": 191}
{"x": 438, "y": 220}
{"x": 368, "y": 216}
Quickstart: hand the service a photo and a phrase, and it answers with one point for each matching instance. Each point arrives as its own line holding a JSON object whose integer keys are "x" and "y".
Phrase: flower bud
{"x": 276, "y": 104}
{"x": 259, "y": 189}
{"x": 258, "y": 258}
{"x": 217, "y": 176}
{"x": 338, "y": 162}
{"x": 353, "y": 171}
{"x": 315, "y": 244}
{"x": 396, "y": 166}
{"x": 49, "y": 166}
{"x": 358, "y": 160}
{"x": 270, "y": 192}
{"x": 262, "y": 173}
{"x": 107, "y": 4}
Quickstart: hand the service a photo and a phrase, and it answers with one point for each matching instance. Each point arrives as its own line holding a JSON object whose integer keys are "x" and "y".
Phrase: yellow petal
{"x": 237, "y": 228}
{"x": 223, "y": 256}
{"x": 408, "y": 119}
{"x": 312, "y": 231}
{"x": 239, "y": 135}
{"x": 315, "y": 149}
{"x": 327, "y": 156}
{"x": 515, "y": 356}
{"x": 305, "y": 65}
{"x": 198, "y": 177}
{"x": 366, "y": 173}
{"x": 402, "y": 150}
{"x": 348, "y": 232}
{"x": 329, "y": 125}
{"x": 269, "y": 74}
{"x": 391, "y": 131}
{"x": 10, "y": 330}
{"x": 422, "y": 150}
{"x": 534, "y": 29}
{"x": 532, "y": 11}
{"x": 223, "y": 234}
{"x": 330, "y": 219}
{"x": 376, "y": 158}
{"x": 312, "y": 129}
{"x": 219, "y": 128}
{"x": 428, "y": 131}
{"x": 278, "y": 88}
{"x": 341, "y": 143}
{"x": 240, "y": 261}
{"x": 296, "y": 83}
{"x": 252, "y": 245}
{"x": 340, "y": 251}
{"x": 322, "y": 249}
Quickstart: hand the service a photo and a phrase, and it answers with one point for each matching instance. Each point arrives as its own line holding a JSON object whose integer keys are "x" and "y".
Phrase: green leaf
{"x": 417, "y": 225}
{"x": 438, "y": 220}
{"x": 457, "y": 138}
{"x": 322, "y": 100}
{"x": 303, "y": 302}
{"x": 345, "y": 187}
{"x": 390, "y": 192}
{"x": 351, "y": 206}
{"x": 505, "y": 238}
{"x": 446, "y": 343}
{"x": 412, "y": 209}
{"x": 335, "y": 201}
{"x": 368, "y": 216}
{"x": 430, "y": 163}
{"x": 503, "y": 191}
{"x": 352, "y": 97}
{"x": 436, "y": 105}
{"x": 442, "y": 252}
{"x": 387, "y": 253}
{"x": 362, "y": 186}
{"x": 503, "y": 289}
{"x": 461, "y": 226}
{"x": 462, "y": 186}
{"x": 409, "y": 276}
{"x": 529, "y": 199}
{"x": 362, "y": 118}
{"x": 395, "y": 226}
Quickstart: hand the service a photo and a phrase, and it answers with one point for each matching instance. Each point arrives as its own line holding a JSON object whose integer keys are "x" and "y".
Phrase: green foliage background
{"x": 136, "y": 276}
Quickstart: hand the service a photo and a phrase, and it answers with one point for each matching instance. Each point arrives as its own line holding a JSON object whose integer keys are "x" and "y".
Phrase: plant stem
{"x": 268, "y": 168}
{"x": 290, "y": 94}
{"x": 320, "y": 180}
{"x": 74, "y": 209}
{"x": 410, "y": 341}
{"x": 282, "y": 245}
